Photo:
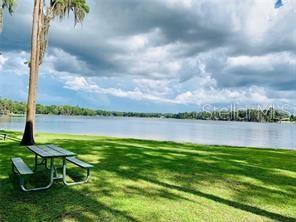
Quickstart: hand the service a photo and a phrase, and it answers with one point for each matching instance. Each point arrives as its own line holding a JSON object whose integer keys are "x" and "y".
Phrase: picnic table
{"x": 49, "y": 153}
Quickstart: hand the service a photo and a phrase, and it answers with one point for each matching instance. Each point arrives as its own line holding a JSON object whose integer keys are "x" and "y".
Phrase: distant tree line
{"x": 9, "y": 107}
{"x": 248, "y": 115}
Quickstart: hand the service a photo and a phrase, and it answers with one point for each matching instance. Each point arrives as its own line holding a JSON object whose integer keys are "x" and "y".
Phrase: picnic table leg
{"x": 13, "y": 169}
{"x": 73, "y": 183}
{"x": 36, "y": 162}
{"x": 40, "y": 188}
{"x": 56, "y": 174}
{"x": 64, "y": 169}
{"x": 43, "y": 162}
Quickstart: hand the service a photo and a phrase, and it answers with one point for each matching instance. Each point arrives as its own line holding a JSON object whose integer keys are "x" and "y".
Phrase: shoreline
{"x": 148, "y": 140}
{"x": 138, "y": 117}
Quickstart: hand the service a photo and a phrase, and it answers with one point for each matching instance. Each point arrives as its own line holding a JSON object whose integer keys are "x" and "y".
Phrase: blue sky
{"x": 159, "y": 55}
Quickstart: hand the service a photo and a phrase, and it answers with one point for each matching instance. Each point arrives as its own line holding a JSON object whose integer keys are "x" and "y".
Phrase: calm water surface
{"x": 272, "y": 135}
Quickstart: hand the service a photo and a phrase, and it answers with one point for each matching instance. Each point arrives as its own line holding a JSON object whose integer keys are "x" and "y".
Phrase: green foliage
{"x": 249, "y": 115}
{"x": 9, "y": 4}
{"x": 12, "y": 107}
{"x": 7, "y": 106}
{"x": 144, "y": 180}
{"x": 64, "y": 110}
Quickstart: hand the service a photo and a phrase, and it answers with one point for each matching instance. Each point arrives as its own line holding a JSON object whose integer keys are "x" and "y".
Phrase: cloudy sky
{"x": 159, "y": 55}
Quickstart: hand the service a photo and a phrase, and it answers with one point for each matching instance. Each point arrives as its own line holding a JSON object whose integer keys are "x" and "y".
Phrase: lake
{"x": 270, "y": 135}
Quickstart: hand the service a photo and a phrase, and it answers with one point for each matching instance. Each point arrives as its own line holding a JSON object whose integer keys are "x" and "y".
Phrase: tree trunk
{"x": 28, "y": 137}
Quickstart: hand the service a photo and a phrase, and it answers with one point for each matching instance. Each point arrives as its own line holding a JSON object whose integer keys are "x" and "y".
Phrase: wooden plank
{"x": 51, "y": 152}
{"x": 46, "y": 152}
{"x": 61, "y": 150}
{"x": 79, "y": 162}
{"x": 21, "y": 166}
{"x": 39, "y": 151}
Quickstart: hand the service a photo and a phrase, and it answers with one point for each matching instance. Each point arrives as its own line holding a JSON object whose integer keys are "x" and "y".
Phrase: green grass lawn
{"x": 141, "y": 180}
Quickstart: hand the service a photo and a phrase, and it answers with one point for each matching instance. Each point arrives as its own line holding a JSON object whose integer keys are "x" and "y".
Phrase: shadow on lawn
{"x": 137, "y": 160}
{"x": 58, "y": 203}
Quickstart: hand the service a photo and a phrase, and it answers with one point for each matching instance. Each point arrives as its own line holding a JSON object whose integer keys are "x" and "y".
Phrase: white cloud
{"x": 81, "y": 83}
{"x": 154, "y": 87}
{"x": 2, "y": 61}
{"x": 263, "y": 61}
{"x": 179, "y": 3}
{"x": 14, "y": 62}
{"x": 147, "y": 92}
{"x": 145, "y": 59}
{"x": 252, "y": 95}
{"x": 77, "y": 83}
{"x": 130, "y": 43}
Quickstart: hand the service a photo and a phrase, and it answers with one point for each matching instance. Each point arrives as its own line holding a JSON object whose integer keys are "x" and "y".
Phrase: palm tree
{"x": 40, "y": 27}
{"x": 41, "y": 23}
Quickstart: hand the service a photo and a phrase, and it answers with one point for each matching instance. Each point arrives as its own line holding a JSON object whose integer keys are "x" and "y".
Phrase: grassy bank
{"x": 140, "y": 180}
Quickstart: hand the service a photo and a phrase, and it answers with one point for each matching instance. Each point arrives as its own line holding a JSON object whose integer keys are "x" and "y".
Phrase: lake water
{"x": 272, "y": 135}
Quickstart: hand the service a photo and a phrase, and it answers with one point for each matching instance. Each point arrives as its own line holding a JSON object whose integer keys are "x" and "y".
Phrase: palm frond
{"x": 9, "y": 4}
{"x": 6, "y": 4}
{"x": 62, "y": 8}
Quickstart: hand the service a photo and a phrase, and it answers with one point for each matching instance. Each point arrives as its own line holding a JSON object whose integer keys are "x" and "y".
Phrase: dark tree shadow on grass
{"x": 56, "y": 204}
{"x": 194, "y": 166}
{"x": 237, "y": 205}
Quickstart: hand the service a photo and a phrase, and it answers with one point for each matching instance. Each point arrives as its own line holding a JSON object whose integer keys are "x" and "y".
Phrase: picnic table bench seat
{"x": 20, "y": 166}
{"x": 79, "y": 163}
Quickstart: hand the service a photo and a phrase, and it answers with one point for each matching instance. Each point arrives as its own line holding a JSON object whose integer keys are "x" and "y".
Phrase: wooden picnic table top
{"x": 49, "y": 151}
